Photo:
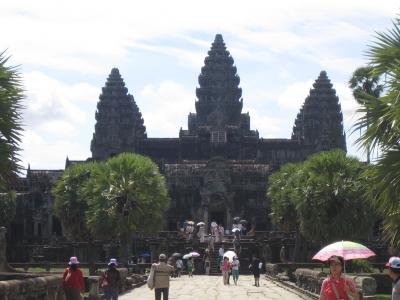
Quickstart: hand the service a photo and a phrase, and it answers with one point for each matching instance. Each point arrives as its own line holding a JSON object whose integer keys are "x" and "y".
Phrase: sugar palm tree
{"x": 381, "y": 125}
{"x": 127, "y": 193}
{"x": 365, "y": 83}
{"x": 11, "y": 95}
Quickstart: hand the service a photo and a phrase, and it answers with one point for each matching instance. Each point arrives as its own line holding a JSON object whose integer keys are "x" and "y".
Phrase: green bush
{"x": 361, "y": 266}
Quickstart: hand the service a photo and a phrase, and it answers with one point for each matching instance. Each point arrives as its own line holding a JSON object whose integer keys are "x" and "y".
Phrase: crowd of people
{"x": 335, "y": 286}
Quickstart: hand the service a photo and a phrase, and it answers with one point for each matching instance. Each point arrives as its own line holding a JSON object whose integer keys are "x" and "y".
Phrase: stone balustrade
{"x": 309, "y": 280}
{"x": 15, "y": 287}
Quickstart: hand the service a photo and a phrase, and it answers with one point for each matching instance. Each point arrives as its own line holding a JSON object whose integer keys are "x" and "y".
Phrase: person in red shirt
{"x": 73, "y": 280}
{"x": 337, "y": 286}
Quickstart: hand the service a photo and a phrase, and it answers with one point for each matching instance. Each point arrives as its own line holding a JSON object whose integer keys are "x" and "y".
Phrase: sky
{"x": 66, "y": 50}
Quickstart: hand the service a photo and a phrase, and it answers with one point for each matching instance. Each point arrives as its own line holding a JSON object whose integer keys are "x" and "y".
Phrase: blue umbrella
{"x": 145, "y": 254}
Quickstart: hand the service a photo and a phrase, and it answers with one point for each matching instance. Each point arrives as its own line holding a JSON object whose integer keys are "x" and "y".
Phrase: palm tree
{"x": 365, "y": 82}
{"x": 380, "y": 123}
{"x": 70, "y": 203}
{"x": 127, "y": 193}
{"x": 11, "y": 95}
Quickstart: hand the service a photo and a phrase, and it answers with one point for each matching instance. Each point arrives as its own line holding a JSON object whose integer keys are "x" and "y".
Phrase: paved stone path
{"x": 212, "y": 288}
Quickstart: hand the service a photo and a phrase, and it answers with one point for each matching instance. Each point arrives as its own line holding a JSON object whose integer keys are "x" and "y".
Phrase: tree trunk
{"x": 296, "y": 257}
{"x": 125, "y": 247}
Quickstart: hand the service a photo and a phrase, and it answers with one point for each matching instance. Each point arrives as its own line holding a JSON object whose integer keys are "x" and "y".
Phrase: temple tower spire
{"x": 119, "y": 123}
{"x": 319, "y": 124}
{"x": 219, "y": 96}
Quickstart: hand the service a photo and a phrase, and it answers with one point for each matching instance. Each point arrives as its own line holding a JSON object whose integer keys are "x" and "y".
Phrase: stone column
{"x": 205, "y": 217}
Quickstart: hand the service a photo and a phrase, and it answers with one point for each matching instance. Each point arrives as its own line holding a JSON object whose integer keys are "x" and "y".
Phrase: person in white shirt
{"x": 221, "y": 252}
{"x": 179, "y": 266}
{"x": 235, "y": 269}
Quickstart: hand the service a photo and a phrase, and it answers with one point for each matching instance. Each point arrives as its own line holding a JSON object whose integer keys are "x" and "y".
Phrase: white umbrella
{"x": 235, "y": 229}
{"x": 230, "y": 255}
{"x": 201, "y": 224}
{"x": 194, "y": 254}
{"x": 187, "y": 256}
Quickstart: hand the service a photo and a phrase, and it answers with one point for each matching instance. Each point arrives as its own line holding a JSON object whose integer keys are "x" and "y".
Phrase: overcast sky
{"x": 66, "y": 50}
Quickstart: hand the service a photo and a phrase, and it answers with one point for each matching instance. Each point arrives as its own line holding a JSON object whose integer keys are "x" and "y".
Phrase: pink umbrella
{"x": 347, "y": 250}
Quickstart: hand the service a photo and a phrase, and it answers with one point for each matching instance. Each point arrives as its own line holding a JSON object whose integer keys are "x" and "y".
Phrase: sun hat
{"x": 113, "y": 261}
{"x": 162, "y": 257}
{"x": 73, "y": 260}
{"x": 394, "y": 263}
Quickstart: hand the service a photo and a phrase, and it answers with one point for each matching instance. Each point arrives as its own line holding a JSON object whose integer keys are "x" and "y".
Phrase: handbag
{"x": 150, "y": 279}
{"x": 104, "y": 283}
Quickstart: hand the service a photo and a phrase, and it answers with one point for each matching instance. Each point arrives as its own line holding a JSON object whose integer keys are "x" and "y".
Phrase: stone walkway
{"x": 212, "y": 288}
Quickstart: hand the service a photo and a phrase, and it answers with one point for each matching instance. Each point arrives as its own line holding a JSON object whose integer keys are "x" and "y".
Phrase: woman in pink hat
{"x": 73, "y": 280}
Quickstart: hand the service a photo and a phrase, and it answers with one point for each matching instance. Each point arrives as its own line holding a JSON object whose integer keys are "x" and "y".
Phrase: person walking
{"x": 111, "y": 281}
{"x": 337, "y": 285}
{"x": 73, "y": 284}
{"x": 211, "y": 242}
{"x": 394, "y": 273}
{"x": 256, "y": 267}
{"x": 235, "y": 269}
{"x": 159, "y": 277}
{"x": 207, "y": 262}
{"x": 221, "y": 252}
{"x": 226, "y": 267}
{"x": 179, "y": 266}
{"x": 190, "y": 266}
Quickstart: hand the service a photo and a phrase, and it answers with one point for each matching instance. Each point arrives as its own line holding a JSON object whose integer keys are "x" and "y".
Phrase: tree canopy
{"x": 11, "y": 95}
{"x": 111, "y": 199}
{"x": 322, "y": 197}
{"x": 380, "y": 129}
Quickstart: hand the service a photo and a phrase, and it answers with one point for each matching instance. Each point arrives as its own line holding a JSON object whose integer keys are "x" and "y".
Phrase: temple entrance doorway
{"x": 218, "y": 216}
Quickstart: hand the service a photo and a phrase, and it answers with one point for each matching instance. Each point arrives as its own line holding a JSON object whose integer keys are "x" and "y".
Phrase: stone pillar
{"x": 228, "y": 224}
{"x": 205, "y": 217}
{"x": 94, "y": 291}
{"x": 49, "y": 216}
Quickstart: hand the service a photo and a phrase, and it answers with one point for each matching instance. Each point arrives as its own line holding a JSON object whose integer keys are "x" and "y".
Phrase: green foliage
{"x": 7, "y": 208}
{"x": 381, "y": 131}
{"x": 11, "y": 95}
{"x": 361, "y": 266}
{"x": 111, "y": 199}
{"x": 126, "y": 193}
{"x": 70, "y": 201}
{"x": 323, "y": 197}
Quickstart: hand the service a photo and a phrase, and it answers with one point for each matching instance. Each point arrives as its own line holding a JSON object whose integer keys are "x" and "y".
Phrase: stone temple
{"x": 215, "y": 169}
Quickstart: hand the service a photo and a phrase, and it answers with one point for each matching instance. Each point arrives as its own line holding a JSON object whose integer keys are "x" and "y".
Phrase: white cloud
{"x": 294, "y": 95}
{"x": 165, "y": 107}
{"x": 83, "y": 36}
{"x": 44, "y": 153}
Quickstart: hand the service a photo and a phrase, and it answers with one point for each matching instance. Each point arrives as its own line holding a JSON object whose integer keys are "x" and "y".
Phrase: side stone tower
{"x": 119, "y": 123}
{"x": 319, "y": 124}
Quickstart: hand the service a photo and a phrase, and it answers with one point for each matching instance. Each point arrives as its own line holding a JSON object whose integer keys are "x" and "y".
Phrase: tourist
{"x": 221, "y": 252}
{"x": 73, "y": 280}
{"x": 236, "y": 246}
{"x": 190, "y": 266}
{"x": 201, "y": 233}
{"x": 394, "y": 273}
{"x": 215, "y": 232}
{"x": 179, "y": 266}
{"x": 226, "y": 267}
{"x": 235, "y": 269}
{"x": 221, "y": 232}
{"x": 207, "y": 262}
{"x": 282, "y": 254}
{"x": 111, "y": 281}
{"x": 337, "y": 286}
{"x": 244, "y": 229}
{"x": 211, "y": 242}
{"x": 159, "y": 277}
{"x": 256, "y": 266}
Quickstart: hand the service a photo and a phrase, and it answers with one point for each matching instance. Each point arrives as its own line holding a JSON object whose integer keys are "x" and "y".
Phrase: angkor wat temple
{"x": 216, "y": 169}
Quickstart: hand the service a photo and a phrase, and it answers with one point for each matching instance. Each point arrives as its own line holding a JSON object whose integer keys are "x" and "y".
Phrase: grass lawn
{"x": 383, "y": 297}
